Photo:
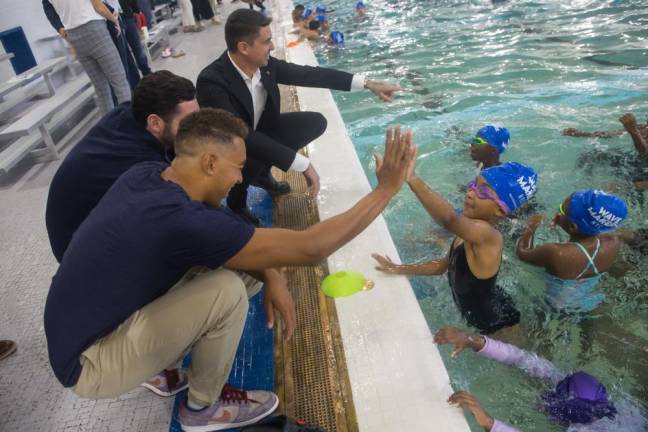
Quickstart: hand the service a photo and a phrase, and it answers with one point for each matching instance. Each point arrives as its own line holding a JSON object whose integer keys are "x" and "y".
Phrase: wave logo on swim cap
{"x": 604, "y": 217}
{"x": 528, "y": 186}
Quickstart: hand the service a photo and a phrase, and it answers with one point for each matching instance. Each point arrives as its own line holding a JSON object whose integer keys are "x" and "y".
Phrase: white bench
{"x": 45, "y": 116}
{"x": 44, "y": 69}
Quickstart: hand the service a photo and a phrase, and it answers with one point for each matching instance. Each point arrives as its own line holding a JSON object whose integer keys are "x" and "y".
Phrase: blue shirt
{"x": 107, "y": 151}
{"x": 141, "y": 238}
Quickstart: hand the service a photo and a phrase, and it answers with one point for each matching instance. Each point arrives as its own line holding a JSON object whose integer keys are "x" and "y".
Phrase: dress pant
{"x": 132, "y": 74}
{"x": 100, "y": 59}
{"x": 294, "y": 130}
{"x": 135, "y": 43}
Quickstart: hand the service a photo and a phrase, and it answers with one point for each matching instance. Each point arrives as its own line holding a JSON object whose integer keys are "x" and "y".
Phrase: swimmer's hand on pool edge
{"x": 459, "y": 338}
{"x": 467, "y": 401}
{"x": 383, "y": 90}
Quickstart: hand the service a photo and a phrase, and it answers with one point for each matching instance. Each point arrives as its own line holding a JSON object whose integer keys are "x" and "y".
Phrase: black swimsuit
{"x": 481, "y": 302}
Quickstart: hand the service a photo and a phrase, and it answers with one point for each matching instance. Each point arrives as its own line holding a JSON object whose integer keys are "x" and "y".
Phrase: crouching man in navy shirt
{"x": 148, "y": 275}
{"x": 143, "y": 130}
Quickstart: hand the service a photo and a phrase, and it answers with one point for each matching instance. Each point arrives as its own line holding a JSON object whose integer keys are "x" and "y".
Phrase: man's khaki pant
{"x": 203, "y": 313}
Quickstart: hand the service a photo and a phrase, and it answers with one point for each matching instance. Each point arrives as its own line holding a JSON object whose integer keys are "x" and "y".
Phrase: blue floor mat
{"x": 253, "y": 366}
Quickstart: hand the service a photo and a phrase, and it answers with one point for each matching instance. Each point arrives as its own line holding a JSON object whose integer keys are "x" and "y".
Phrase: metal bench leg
{"x": 50, "y": 86}
{"x": 49, "y": 142}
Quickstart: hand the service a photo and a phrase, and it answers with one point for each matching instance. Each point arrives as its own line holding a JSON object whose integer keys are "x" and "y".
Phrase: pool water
{"x": 536, "y": 68}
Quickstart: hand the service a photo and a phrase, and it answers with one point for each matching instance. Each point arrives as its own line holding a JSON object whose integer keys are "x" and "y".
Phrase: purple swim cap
{"x": 578, "y": 398}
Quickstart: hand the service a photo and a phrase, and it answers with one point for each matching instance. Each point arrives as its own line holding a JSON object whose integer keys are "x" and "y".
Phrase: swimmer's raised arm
{"x": 573, "y": 132}
{"x": 428, "y": 268}
{"x": 629, "y": 122}
{"x": 540, "y": 256}
{"x": 475, "y": 231}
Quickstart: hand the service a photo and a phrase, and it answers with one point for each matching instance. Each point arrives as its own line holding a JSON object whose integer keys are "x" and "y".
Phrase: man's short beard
{"x": 167, "y": 139}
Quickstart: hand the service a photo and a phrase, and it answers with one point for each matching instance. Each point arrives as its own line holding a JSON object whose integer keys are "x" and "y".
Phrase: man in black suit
{"x": 243, "y": 81}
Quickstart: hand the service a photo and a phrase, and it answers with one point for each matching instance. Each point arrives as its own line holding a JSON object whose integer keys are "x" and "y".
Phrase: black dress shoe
{"x": 272, "y": 186}
{"x": 247, "y": 215}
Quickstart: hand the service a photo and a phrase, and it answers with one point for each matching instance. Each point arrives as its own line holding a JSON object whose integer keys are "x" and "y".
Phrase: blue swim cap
{"x": 337, "y": 38}
{"x": 513, "y": 183}
{"x": 595, "y": 212}
{"x": 578, "y": 399}
{"x": 320, "y": 18}
{"x": 320, "y": 9}
{"x": 360, "y": 5}
{"x": 497, "y": 136}
{"x": 307, "y": 12}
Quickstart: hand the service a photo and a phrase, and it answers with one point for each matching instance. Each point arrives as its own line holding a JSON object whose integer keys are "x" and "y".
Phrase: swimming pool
{"x": 535, "y": 68}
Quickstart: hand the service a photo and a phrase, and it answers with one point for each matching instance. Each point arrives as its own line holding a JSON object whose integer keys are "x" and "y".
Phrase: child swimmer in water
{"x": 475, "y": 256}
{"x": 578, "y": 401}
{"x": 574, "y": 268}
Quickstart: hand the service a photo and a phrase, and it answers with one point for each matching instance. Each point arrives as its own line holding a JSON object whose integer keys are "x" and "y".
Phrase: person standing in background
{"x": 147, "y": 10}
{"x": 188, "y": 20}
{"x": 82, "y": 24}
{"x": 119, "y": 39}
{"x": 202, "y": 10}
{"x": 129, "y": 11}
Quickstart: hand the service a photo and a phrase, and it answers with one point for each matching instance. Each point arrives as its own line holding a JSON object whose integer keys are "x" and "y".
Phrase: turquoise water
{"x": 536, "y": 68}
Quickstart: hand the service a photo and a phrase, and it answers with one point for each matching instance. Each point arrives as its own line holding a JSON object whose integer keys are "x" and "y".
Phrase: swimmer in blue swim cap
{"x": 335, "y": 38}
{"x": 574, "y": 268}
{"x": 361, "y": 9}
{"x": 488, "y": 144}
{"x": 324, "y": 24}
{"x": 475, "y": 256}
{"x": 575, "y": 401}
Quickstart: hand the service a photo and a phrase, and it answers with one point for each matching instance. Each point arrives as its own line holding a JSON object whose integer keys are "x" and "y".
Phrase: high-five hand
{"x": 400, "y": 153}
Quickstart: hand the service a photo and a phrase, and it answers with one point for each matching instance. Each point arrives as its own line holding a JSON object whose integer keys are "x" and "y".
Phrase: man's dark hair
{"x": 314, "y": 25}
{"x": 160, "y": 93}
{"x": 299, "y": 7}
{"x": 208, "y": 126}
{"x": 243, "y": 25}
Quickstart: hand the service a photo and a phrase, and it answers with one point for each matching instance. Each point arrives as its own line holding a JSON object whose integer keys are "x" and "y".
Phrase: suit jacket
{"x": 220, "y": 85}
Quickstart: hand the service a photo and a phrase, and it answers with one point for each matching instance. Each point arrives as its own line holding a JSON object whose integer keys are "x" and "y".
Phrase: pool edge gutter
{"x": 398, "y": 379}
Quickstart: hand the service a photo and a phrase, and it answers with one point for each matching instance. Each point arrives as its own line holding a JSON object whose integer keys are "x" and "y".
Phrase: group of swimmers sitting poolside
{"x": 573, "y": 270}
{"x": 315, "y": 26}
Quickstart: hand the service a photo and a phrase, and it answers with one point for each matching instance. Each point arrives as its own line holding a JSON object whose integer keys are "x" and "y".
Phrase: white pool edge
{"x": 398, "y": 379}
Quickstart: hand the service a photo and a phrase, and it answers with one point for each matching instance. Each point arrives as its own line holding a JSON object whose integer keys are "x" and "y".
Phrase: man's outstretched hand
{"x": 383, "y": 90}
{"x": 400, "y": 154}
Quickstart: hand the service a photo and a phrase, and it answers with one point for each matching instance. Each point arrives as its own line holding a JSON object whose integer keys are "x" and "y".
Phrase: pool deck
{"x": 398, "y": 379}
{"x": 31, "y": 399}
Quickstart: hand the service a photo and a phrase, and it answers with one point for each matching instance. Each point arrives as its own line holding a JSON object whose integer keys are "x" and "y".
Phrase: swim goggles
{"x": 483, "y": 192}
{"x": 561, "y": 210}
{"x": 479, "y": 141}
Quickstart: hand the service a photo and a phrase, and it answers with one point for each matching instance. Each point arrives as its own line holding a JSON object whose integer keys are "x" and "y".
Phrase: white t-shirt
{"x": 75, "y": 13}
